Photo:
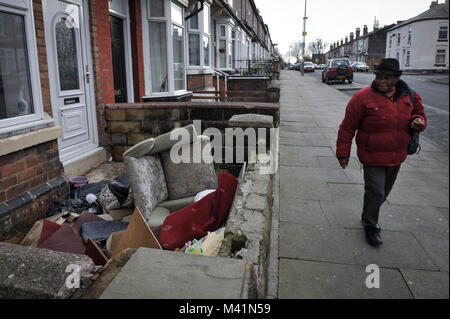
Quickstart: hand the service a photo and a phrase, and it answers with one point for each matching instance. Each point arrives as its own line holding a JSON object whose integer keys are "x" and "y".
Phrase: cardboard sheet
{"x": 137, "y": 235}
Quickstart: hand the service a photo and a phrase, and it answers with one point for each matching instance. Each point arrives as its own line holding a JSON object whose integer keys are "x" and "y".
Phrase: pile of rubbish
{"x": 154, "y": 204}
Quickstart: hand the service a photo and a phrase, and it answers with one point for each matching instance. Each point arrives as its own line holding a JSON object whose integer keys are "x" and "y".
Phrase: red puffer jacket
{"x": 383, "y": 125}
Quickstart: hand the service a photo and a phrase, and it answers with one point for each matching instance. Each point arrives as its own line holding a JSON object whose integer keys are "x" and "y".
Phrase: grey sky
{"x": 332, "y": 20}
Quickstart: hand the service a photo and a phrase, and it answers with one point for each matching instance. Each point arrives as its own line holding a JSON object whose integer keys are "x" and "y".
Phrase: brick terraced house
{"x": 61, "y": 62}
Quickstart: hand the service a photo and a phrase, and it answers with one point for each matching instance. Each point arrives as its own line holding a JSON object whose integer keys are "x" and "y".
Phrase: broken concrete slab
{"x": 157, "y": 274}
{"x": 34, "y": 273}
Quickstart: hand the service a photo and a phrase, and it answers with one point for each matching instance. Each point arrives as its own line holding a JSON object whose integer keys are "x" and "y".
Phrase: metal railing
{"x": 253, "y": 67}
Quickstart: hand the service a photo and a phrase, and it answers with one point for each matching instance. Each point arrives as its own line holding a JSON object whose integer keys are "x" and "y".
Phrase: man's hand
{"x": 344, "y": 162}
{"x": 417, "y": 124}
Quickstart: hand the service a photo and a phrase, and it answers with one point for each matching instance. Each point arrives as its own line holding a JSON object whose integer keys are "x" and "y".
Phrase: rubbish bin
{"x": 75, "y": 183}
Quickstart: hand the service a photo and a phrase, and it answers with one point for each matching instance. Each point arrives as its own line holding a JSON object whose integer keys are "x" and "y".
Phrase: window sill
{"x": 440, "y": 64}
{"x": 19, "y": 142}
{"x": 28, "y": 127}
{"x": 442, "y": 40}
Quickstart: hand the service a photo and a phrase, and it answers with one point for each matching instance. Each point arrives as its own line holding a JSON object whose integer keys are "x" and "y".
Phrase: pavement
{"x": 322, "y": 249}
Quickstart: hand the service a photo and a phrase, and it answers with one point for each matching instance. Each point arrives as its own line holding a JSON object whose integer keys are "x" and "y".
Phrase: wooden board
{"x": 137, "y": 235}
{"x": 96, "y": 254}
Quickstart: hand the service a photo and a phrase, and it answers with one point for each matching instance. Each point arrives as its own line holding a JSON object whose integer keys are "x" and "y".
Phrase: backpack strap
{"x": 411, "y": 94}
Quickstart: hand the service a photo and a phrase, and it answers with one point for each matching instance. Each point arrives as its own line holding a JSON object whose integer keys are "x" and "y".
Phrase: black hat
{"x": 389, "y": 67}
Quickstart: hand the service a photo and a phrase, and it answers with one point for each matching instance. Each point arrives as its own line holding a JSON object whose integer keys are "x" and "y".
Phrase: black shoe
{"x": 373, "y": 236}
{"x": 366, "y": 224}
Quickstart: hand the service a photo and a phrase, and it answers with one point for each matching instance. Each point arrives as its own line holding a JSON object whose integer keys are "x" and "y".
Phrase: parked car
{"x": 320, "y": 67}
{"x": 360, "y": 67}
{"x": 308, "y": 67}
{"x": 337, "y": 70}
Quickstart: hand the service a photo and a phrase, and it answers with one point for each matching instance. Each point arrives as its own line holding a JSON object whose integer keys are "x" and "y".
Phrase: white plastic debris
{"x": 91, "y": 198}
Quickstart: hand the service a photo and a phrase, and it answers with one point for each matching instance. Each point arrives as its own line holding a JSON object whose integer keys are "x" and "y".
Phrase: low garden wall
{"x": 129, "y": 124}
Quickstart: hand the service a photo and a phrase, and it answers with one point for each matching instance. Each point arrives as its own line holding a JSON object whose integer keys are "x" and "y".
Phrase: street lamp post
{"x": 304, "y": 43}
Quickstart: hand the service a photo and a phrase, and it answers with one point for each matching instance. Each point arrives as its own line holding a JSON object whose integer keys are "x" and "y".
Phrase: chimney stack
{"x": 351, "y": 37}
{"x": 342, "y": 42}
{"x": 433, "y": 4}
{"x": 446, "y": 4}
{"x": 358, "y": 33}
{"x": 365, "y": 31}
{"x": 346, "y": 39}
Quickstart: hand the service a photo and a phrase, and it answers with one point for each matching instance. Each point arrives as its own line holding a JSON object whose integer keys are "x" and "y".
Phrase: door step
{"x": 85, "y": 163}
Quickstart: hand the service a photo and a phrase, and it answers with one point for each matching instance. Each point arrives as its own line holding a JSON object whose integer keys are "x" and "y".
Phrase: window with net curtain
{"x": 158, "y": 47}
{"x": 199, "y": 37}
{"x": 178, "y": 47}
{"x": 15, "y": 80}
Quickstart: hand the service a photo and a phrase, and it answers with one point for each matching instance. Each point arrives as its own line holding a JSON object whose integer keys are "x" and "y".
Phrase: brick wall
{"x": 137, "y": 51}
{"x": 102, "y": 61}
{"x": 248, "y": 90}
{"x": 27, "y": 169}
{"x": 199, "y": 81}
{"x": 42, "y": 55}
{"x": 129, "y": 124}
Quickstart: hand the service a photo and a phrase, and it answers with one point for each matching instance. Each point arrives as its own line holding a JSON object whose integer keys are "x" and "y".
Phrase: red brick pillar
{"x": 223, "y": 89}
{"x": 136, "y": 48}
{"x": 42, "y": 56}
{"x": 102, "y": 61}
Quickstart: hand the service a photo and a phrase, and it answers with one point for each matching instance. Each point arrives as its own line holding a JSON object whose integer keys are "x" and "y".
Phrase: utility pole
{"x": 304, "y": 43}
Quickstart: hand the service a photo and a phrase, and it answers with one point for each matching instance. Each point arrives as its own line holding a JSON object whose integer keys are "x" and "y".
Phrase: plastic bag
{"x": 194, "y": 247}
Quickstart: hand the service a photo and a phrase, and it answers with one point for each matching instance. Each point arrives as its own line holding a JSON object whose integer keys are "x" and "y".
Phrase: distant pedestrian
{"x": 383, "y": 117}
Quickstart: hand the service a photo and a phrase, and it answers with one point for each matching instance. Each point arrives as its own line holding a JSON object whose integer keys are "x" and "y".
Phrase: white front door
{"x": 71, "y": 83}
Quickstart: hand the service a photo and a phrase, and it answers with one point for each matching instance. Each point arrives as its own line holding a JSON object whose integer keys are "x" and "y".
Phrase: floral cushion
{"x": 147, "y": 182}
{"x": 188, "y": 179}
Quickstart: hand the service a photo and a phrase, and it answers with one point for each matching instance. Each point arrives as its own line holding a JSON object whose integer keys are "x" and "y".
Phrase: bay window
{"x": 164, "y": 53}
{"x": 225, "y": 46}
{"x": 20, "y": 92}
{"x": 199, "y": 37}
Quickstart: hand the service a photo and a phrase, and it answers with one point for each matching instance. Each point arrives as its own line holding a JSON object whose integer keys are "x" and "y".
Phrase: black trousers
{"x": 378, "y": 181}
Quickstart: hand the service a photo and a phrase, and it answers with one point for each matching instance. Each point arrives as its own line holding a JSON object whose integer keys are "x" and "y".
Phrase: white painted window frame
{"x": 145, "y": 13}
{"x": 441, "y": 48}
{"x": 125, "y": 16}
{"x": 25, "y": 9}
{"x": 228, "y": 27}
{"x": 201, "y": 31}
{"x": 439, "y": 31}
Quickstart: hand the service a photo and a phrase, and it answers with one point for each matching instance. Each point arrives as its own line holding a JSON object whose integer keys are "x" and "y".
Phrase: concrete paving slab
{"x": 306, "y": 175}
{"x": 314, "y": 242}
{"x": 427, "y": 284}
{"x": 399, "y": 250}
{"x": 423, "y": 177}
{"x": 332, "y": 162}
{"x": 419, "y": 195}
{"x": 300, "y": 279}
{"x": 157, "y": 274}
{"x": 350, "y": 192}
{"x": 304, "y": 141}
{"x": 413, "y": 218}
{"x": 443, "y": 211}
{"x": 343, "y": 213}
{"x": 355, "y": 175}
{"x": 437, "y": 247}
{"x": 306, "y": 212}
{"x": 312, "y": 190}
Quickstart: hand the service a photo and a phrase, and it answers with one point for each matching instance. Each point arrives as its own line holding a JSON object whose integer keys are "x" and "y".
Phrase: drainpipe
{"x": 202, "y": 2}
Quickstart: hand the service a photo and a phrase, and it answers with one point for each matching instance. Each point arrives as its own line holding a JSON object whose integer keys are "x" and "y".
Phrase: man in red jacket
{"x": 383, "y": 116}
